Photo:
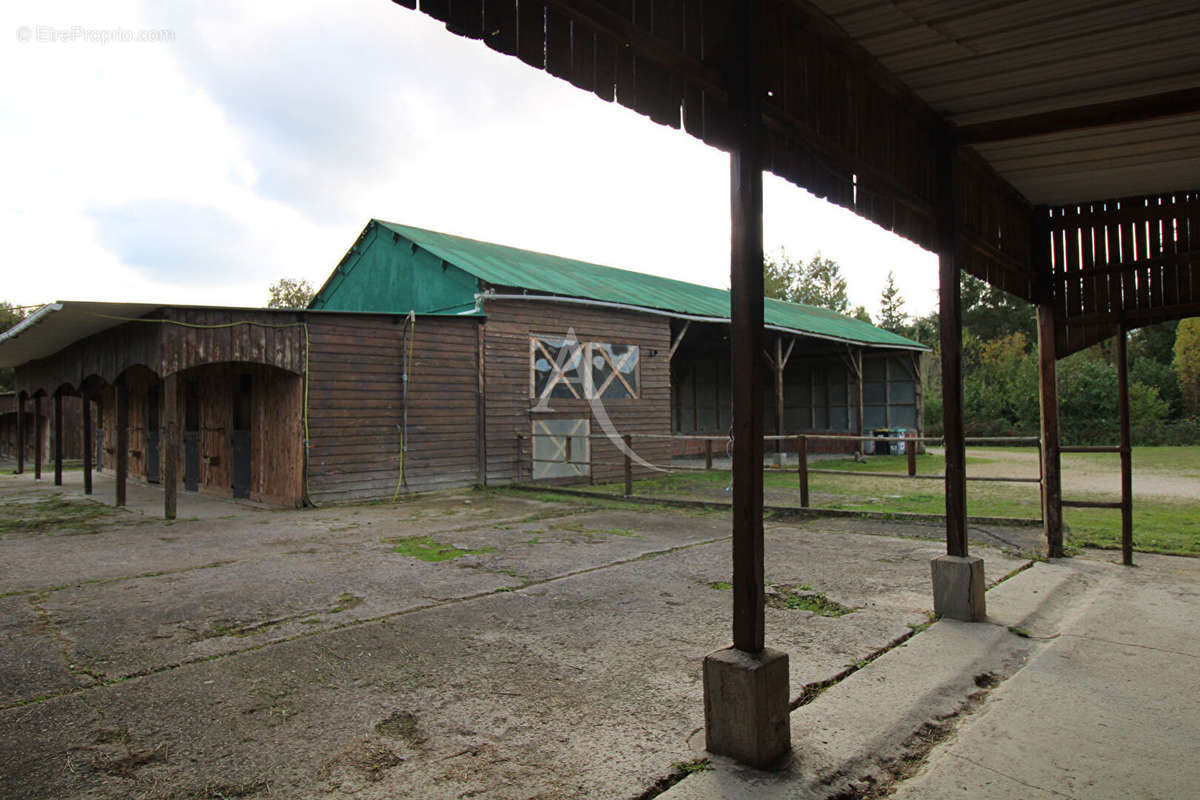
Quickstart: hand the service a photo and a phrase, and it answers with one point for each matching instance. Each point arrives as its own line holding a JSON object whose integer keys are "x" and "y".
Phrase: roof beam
{"x": 1136, "y": 109}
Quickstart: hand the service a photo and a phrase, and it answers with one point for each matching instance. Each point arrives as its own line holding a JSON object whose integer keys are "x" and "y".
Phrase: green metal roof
{"x": 500, "y": 265}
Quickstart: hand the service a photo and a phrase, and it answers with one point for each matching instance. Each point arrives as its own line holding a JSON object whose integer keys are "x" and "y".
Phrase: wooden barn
{"x": 577, "y": 355}
{"x": 430, "y": 361}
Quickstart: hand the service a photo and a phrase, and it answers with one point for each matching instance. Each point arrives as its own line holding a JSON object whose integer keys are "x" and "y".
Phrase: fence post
{"x": 628, "y": 465}
{"x": 911, "y": 449}
{"x": 708, "y": 453}
{"x": 802, "y": 468}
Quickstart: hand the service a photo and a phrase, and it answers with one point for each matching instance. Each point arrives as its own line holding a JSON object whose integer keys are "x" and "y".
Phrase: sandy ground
{"x": 242, "y": 652}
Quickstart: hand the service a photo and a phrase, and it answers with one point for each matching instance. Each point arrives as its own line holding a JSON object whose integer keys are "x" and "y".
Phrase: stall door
{"x": 241, "y": 436}
{"x": 153, "y": 399}
{"x": 191, "y": 437}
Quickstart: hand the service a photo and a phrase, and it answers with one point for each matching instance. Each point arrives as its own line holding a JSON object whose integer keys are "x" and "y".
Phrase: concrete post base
{"x": 746, "y": 706}
{"x": 958, "y": 586}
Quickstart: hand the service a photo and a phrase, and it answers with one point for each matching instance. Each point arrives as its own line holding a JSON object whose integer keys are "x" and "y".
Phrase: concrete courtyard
{"x": 468, "y": 644}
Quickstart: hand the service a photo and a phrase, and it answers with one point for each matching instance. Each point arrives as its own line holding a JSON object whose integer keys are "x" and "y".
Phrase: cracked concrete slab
{"x": 561, "y": 659}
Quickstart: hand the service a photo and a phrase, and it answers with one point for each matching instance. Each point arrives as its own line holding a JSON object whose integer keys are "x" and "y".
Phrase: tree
{"x": 861, "y": 314}
{"x": 780, "y": 276}
{"x": 817, "y": 283}
{"x": 891, "y": 307}
{"x": 822, "y": 285}
{"x": 1187, "y": 362}
{"x": 991, "y": 313}
{"x": 10, "y": 315}
{"x": 291, "y": 293}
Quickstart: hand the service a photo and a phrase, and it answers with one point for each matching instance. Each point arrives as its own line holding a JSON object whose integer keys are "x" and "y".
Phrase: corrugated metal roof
{"x": 990, "y": 60}
{"x": 501, "y": 265}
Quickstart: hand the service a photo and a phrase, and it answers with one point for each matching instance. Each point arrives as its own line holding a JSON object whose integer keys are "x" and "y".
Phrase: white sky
{"x": 258, "y": 140}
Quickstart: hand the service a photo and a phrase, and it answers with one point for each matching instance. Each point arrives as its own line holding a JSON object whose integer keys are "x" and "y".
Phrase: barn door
{"x": 153, "y": 400}
{"x": 241, "y": 436}
{"x": 191, "y": 437}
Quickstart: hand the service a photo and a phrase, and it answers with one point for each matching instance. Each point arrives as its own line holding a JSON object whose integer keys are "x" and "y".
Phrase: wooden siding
{"x": 204, "y": 336}
{"x": 356, "y": 407}
{"x": 507, "y": 378}
{"x": 276, "y": 456}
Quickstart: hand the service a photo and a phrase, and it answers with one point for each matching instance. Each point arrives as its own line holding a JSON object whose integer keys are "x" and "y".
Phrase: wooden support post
{"x": 86, "y": 405}
{"x": 170, "y": 472}
{"x": 39, "y": 430}
{"x": 858, "y": 376}
{"x": 100, "y": 433}
{"x": 778, "y": 363}
{"x": 628, "y": 465}
{"x": 802, "y": 468}
{"x": 22, "y": 437}
{"x": 58, "y": 432}
{"x": 1052, "y": 514}
{"x": 746, "y": 339}
{"x": 910, "y": 449}
{"x": 950, "y": 314}
{"x": 122, "y": 439}
{"x": 746, "y": 686}
{"x": 708, "y": 453}
{"x": 1126, "y": 450}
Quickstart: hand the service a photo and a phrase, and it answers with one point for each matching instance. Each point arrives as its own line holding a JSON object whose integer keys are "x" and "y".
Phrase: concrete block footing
{"x": 746, "y": 706}
{"x": 958, "y": 586}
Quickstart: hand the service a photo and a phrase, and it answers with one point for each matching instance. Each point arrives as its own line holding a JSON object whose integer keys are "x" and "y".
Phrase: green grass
{"x": 1160, "y": 525}
{"x": 426, "y": 549}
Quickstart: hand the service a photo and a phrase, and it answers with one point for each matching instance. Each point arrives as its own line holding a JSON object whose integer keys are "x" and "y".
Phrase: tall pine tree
{"x": 891, "y": 307}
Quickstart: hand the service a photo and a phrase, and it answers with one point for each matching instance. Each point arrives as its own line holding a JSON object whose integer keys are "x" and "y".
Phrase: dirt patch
{"x": 402, "y": 725}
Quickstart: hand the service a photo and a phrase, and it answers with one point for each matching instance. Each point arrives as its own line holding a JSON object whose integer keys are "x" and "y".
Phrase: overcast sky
{"x": 244, "y": 142}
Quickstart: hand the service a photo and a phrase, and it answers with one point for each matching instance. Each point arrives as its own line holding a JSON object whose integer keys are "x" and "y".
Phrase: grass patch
{"x": 724, "y": 586}
{"x": 804, "y": 598}
{"x": 1160, "y": 525}
{"x": 591, "y": 534}
{"x": 426, "y": 549}
{"x": 57, "y": 515}
{"x": 345, "y": 602}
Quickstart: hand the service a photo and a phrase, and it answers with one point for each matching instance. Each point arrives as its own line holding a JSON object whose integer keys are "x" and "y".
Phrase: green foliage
{"x": 291, "y": 293}
{"x": 1160, "y": 376}
{"x": 891, "y": 307}
{"x": 1003, "y": 383}
{"x": 1187, "y": 363}
{"x": 990, "y": 313}
{"x": 817, "y": 283}
{"x": 861, "y": 314}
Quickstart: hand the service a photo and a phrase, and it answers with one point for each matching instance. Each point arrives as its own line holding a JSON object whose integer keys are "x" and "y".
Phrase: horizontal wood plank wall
{"x": 509, "y": 326}
{"x": 356, "y": 408}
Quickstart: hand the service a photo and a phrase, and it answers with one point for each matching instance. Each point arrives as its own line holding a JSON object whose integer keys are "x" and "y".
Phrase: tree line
{"x": 1001, "y": 395}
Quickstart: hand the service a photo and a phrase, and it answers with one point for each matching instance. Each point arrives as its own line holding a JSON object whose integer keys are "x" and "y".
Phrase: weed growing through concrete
{"x": 345, "y": 602}
{"x": 802, "y": 597}
{"x": 426, "y": 549}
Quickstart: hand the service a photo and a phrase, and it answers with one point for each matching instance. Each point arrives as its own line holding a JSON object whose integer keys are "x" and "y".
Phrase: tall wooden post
{"x": 39, "y": 430}
{"x": 779, "y": 365}
{"x": 22, "y": 424}
{"x": 58, "y": 432}
{"x": 122, "y": 438}
{"x": 170, "y": 473}
{"x": 958, "y": 580}
{"x": 746, "y": 315}
{"x": 1052, "y": 509}
{"x": 802, "y": 468}
{"x": 86, "y": 405}
{"x": 746, "y": 686}
{"x": 1126, "y": 450}
{"x": 1052, "y": 515}
{"x": 100, "y": 433}
{"x": 950, "y": 315}
{"x": 858, "y": 382}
